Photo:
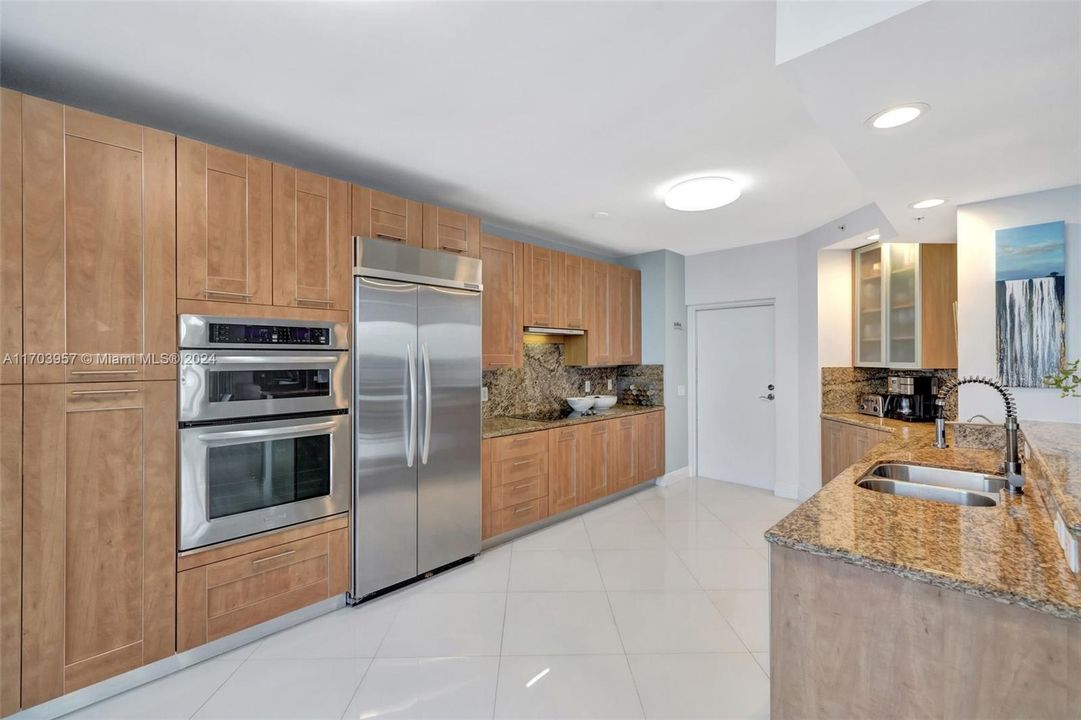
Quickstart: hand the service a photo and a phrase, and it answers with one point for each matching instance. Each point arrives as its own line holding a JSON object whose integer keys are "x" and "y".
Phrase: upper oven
{"x": 246, "y": 368}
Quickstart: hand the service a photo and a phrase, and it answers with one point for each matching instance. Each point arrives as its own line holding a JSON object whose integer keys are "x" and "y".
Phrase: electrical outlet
{"x": 681, "y": 390}
{"x": 609, "y": 383}
{"x": 589, "y": 387}
{"x": 484, "y": 394}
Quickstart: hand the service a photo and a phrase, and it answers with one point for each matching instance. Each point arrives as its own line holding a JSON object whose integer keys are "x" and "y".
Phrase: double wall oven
{"x": 264, "y": 425}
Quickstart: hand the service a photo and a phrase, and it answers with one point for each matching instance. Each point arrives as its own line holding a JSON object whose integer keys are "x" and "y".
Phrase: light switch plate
{"x": 681, "y": 390}
{"x": 484, "y": 393}
{"x": 589, "y": 387}
{"x": 609, "y": 383}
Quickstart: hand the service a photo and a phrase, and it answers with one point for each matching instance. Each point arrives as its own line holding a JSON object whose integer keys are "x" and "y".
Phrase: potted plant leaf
{"x": 1067, "y": 380}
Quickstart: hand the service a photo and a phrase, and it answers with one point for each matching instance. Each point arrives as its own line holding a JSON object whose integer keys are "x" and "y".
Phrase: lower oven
{"x": 248, "y": 477}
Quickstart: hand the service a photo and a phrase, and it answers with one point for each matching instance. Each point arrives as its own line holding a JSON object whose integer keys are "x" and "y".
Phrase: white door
{"x": 734, "y": 395}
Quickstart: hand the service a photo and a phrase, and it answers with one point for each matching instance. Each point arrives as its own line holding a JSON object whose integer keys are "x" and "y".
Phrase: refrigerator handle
{"x": 411, "y": 364}
{"x": 427, "y": 403}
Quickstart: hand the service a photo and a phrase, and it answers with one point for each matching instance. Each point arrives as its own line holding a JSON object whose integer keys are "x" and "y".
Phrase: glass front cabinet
{"x": 904, "y": 309}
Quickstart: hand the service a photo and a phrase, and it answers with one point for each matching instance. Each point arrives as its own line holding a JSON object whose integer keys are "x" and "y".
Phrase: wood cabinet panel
{"x": 11, "y": 515}
{"x": 516, "y": 493}
{"x": 568, "y": 464}
{"x": 501, "y": 325}
{"x": 227, "y": 596}
{"x": 519, "y": 515}
{"x": 518, "y": 446}
{"x": 451, "y": 231}
{"x": 844, "y": 445}
{"x": 11, "y": 238}
{"x": 313, "y": 246}
{"x": 99, "y": 532}
{"x": 938, "y": 293}
{"x": 539, "y": 287}
{"x": 624, "y": 465}
{"x": 486, "y": 488}
{"x": 99, "y": 241}
{"x": 624, "y": 303}
{"x": 593, "y": 348}
{"x": 573, "y": 295}
{"x": 649, "y": 439}
{"x": 599, "y": 461}
{"x": 224, "y": 224}
{"x": 388, "y": 217}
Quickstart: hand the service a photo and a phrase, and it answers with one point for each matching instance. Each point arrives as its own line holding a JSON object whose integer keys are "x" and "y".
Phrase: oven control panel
{"x": 243, "y": 334}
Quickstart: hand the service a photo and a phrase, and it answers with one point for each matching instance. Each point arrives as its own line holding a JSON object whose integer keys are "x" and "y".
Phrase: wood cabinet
{"x": 99, "y": 244}
{"x": 11, "y": 517}
{"x": 624, "y": 307}
{"x": 649, "y": 442}
{"x": 844, "y": 444}
{"x": 624, "y": 455}
{"x": 568, "y": 466}
{"x": 599, "y": 461}
{"x": 11, "y": 239}
{"x": 99, "y": 532}
{"x": 312, "y": 243}
{"x": 903, "y": 305}
{"x": 572, "y": 296}
{"x": 539, "y": 287}
{"x": 387, "y": 217}
{"x": 451, "y": 231}
{"x": 593, "y": 348}
{"x": 223, "y": 224}
{"x": 258, "y": 583}
{"x": 517, "y": 481}
{"x": 501, "y": 324}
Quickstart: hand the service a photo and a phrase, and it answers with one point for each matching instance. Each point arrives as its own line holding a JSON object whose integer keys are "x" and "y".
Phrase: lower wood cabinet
{"x": 568, "y": 465}
{"x": 649, "y": 444}
{"x": 231, "y": 588}
{"x": 844, "y": 444}
{"x": 11, "y": 516}
{"x": 99, "y": 532}
{"x": 599, "y": 461}
{"x": 624, "y": 455}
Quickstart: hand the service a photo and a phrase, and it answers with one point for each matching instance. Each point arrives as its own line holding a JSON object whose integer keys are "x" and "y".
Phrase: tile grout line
{"x": 502, "y": 632}
{"x": 220, "y": 685}
{"x": 619, "y": 634}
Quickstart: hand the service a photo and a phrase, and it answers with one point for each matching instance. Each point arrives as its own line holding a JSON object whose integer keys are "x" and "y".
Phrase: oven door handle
{"x": 411, "y": 446}
{"x": 427, "y": 403}
{"x": 269, "y": 433}
{"x": 291, "y": 360}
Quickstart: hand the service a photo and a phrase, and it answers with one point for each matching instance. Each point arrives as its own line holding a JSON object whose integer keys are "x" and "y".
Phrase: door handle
{"x": 411, "y": 362}
{"x": 427, "y": 403}
{"x": 766, "y": 397}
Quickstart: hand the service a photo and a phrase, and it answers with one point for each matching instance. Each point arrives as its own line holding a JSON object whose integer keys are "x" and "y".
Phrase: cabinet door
{"x": 451, "y": 231}
{"x": 501, "y": 325}
{"x": 388, "y": 217}
{"x": 11, "y": 240}
{"x": 635, "y": 330}
{"x": 11, "y": 516}
{"x": 624, "y": 289}
{"x": 869, "y": 321}
{"x": 486, "y": 489}
{"x": 99, "y": 532}
{"x": 624, "y": 464}
{"x": 832, "y": 449}
{"x": 599, "y": 459}
{"x": 313, "y": 247}
{"x": 567, "y": 467}
{"x": 99, "y": 244}
{"x": 649, "y": 441}
{"x": 538, "y": 287}
{"x": 572, "y": 296}
{"x": 223, "y": 224}
{"x": 599, "y": 331}
{"x": 902, "y": 306}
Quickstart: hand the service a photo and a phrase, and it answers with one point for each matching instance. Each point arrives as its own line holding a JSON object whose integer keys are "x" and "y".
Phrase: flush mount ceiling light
{"x": 897, "y": 116}
{"x": 703, "y": 193}
{"x": 874, "y": 236}
{"x": 927, "y": 204}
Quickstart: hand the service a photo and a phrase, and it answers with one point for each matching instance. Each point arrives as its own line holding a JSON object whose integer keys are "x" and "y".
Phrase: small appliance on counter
{"x": 911, "y": 398}
{"x": 873, "y": 404}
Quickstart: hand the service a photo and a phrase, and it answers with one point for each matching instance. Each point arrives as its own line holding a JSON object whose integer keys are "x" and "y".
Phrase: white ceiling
{"x": 537, "y": 115}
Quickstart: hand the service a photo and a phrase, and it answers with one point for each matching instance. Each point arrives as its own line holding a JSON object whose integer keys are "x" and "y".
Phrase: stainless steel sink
{"x": 956, "y": 487}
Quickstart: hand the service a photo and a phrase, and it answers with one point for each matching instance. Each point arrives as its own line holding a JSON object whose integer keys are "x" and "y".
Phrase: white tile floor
{"x": 653, "y": 606}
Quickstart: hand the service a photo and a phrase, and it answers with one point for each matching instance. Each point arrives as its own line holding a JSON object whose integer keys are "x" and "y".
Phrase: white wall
{"x": 834, "y": 308}
{"x": 976, "y": 226}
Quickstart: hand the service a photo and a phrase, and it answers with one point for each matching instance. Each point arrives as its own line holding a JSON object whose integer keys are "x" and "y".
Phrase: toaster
{"x": 873, "y": 404}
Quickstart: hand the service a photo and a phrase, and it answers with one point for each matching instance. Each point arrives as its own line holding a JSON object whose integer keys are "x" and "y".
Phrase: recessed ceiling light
{"x": 928, "y": 203}
{"x": 600, "y": 215}
{"x": 704, "y": 193}
{"x": 875, "y": 236}
{"x": 897, "y": 116}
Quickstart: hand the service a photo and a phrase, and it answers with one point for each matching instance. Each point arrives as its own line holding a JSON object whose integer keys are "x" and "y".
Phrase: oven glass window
{"x": 263, "y": 474}
{"x": 234, "y": 385}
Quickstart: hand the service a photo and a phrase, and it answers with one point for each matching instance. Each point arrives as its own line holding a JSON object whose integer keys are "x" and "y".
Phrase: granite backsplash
{"x": 843, "y": 386}
{"x": 544, "y": 380}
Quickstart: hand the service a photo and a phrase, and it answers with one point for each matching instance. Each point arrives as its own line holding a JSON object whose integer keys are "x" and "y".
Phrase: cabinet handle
{"x": 522, "y": 462}
{"x": 524, "y": 509}
{"x": 522, "y": 487}
{"x": 287, "y": 553}
{"x": 208, "y": 291}
{"x": 389, "y": 237}
{"x": 103, "y": 392}
{"x": 104, "y": 372}
{"x": 313, "y": 300}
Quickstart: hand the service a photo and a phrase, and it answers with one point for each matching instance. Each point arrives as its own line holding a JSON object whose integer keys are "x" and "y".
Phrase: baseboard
{"x": 674, "y": 476}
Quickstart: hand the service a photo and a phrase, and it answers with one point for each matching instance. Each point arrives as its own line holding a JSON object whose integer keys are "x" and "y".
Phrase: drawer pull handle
{"x": 103, "y": 392}
{"x": 524, "y": 509}
{"x": 287, "y": 553}
{"x": 522, "y": 487}
{"x": 104, "y": 372}
{"x": 208, "y": 291}
{"x": 522, "y": 462}
{"x": 319, "y": 301}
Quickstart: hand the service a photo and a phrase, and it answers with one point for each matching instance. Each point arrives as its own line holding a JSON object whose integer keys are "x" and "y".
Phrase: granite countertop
{"x": 500, "y": 426}
{"x": 1009, "y": 553}
{"x": 1057, "y": 446}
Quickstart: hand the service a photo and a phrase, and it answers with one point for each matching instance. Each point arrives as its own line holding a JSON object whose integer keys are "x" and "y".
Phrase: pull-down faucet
{"x": 1011, "y": 466}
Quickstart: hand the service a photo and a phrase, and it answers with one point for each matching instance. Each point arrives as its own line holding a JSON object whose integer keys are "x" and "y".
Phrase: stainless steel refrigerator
{"x": 416, "y": 412}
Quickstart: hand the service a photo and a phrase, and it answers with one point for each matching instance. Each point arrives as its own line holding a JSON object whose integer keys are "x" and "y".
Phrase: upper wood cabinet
{"x": 388, "y": 217}
{"x": 568, "y": 466}
{"x": 649, "y": 442}
{"x": 451, "y": 231}
{"x": 573, "y": 296}
{"x": 595, "y": 347}
{"x": 223, "y": 224}
{"x": 539, "y": 287}
{"x": 99, "y": 532}
{"x": 99, "y": 244}
{"x": 624, "y": 303}
{"x": 501, "y": 325}
{"x": 11, "y": 239}
{"x": 312, "y": 240}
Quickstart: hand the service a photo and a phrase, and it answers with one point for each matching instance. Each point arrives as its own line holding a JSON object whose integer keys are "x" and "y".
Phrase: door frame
{"x": 692, "y": 372}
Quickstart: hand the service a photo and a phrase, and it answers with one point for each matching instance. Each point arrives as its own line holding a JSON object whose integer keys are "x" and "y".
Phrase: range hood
{"x": 533, "y": 330}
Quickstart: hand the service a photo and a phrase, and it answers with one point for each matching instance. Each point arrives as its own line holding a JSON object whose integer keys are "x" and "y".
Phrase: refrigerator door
{"x": 385, "y": 440}
{"x": 448, "y": 502}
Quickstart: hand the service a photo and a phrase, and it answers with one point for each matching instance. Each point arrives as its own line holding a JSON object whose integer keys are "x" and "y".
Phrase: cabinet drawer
{"x": 518, "y": 446}
{"x": 513, "y": 471}
{"x": 519, "y": 515}
{"x": 504, "y": 496}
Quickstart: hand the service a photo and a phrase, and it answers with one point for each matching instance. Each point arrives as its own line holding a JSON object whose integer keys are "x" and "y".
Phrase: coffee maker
{"x": 911, "y": 398}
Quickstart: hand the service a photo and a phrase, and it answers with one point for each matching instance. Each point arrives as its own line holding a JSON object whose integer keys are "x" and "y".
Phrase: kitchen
{"x": 307, "y": 414}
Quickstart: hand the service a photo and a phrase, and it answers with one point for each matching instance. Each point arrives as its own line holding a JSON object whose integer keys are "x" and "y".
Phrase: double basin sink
{"x": 956, "y": 487}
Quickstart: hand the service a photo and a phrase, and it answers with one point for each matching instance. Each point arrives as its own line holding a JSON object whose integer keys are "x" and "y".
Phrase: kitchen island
{"x": 889, "y": 606}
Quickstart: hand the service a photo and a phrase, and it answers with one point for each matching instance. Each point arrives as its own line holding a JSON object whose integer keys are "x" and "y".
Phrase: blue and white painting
{"x": 1030, "y": 290}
